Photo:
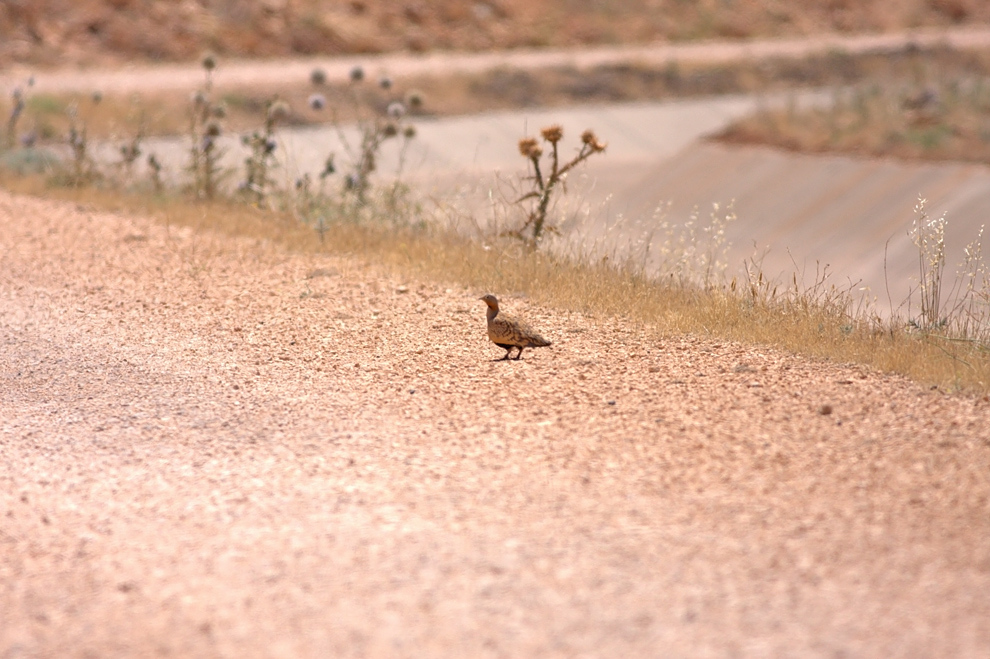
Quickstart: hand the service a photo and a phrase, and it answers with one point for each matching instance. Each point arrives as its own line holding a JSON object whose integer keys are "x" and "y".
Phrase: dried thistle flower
{"x": 219, "y": 111}
{"x": 390, "y": 129}
{"x": 97, "y": 97}
{"x": 588, "y": 137}
{"x": 396, "y": 109}
{"x": 385, "y": 83}
{"x": 553, "y": 134}
{"x": 409, "y": 132}
{"x": 209, "y": 61}
{"x": 529, "y": 147}
{"x": 318, "y": 77}
{"x": 414, "y": 99}
{"x": 357, "y": 74}
{"x": 213, "y": 129}
{"x": 278, "y": 111}
{"x": 317, "y": 102}
{"x": 198, "y": 99}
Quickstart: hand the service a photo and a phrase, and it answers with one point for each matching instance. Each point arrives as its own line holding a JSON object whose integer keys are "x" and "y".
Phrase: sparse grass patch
{"x": 926, "y": 112}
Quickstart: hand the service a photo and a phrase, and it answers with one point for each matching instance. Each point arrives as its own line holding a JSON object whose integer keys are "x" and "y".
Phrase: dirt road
{"x": 213, "y": 447}
{"x": 144, "y": 78}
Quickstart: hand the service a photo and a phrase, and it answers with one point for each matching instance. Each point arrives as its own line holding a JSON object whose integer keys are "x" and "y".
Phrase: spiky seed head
{"x": 357, "y": 74}
{"x": 198, "y": 99}
{"x": 219, "y": 111}
{"x": 317, "y": 102}
{"x": 414, "y": 99}
{"x": 278, "y": 110}
{"x": 385, "y": 83}
{"x": 409, "y": 132}
{"x": 317, "y": 77}
{"x": 396, "y": 109}
{"x": 530, "y": 148}
{"x": 97, "y": 97}
{"x": 553, "y": 134}
{"x": 213, "y": 129}
{"x": 209, "y": 61}
{"x": 588, "y": 137}
{"x": 390, "y": 129}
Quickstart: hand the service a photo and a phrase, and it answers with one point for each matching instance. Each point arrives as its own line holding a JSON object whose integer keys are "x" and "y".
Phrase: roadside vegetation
{"x": 929, "y": 112}
{"x": 350, "y": 208}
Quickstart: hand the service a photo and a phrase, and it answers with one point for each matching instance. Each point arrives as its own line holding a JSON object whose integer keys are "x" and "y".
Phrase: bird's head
{"x": 490, "y": 300}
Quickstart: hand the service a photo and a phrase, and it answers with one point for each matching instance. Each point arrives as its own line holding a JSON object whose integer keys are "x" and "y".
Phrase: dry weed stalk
{"x": 257, "y": 180}
{"x": 204, "y": 131}
{"x": 544, "y": 185}
{"x": 83, "y": 168}
{"x": 928, "y": 235}
{"x": 17, "y": 96}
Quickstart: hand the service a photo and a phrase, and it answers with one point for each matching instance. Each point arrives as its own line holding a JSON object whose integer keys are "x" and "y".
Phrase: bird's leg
{"x": 519, "y": 354}
{"x": 506, "y": 355}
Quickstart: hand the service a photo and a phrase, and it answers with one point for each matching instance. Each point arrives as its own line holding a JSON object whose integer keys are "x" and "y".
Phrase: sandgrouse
{"x": 508, "y": 332}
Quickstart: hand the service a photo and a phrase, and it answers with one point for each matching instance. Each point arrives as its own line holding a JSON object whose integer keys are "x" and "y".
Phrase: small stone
{"x": 825, "y": 410}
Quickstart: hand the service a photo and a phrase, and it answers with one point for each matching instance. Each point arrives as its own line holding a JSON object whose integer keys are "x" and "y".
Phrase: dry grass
{"x": 816, "y": 323}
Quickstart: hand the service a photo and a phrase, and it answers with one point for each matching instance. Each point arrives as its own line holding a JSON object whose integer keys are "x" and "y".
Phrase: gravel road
{"x": 214, "y": 447}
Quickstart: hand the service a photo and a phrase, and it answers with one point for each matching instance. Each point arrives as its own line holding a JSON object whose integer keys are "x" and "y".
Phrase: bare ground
{"x": 214, "y": 447}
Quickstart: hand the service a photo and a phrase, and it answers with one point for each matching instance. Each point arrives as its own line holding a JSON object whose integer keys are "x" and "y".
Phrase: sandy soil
{"x": 212, "y": 447}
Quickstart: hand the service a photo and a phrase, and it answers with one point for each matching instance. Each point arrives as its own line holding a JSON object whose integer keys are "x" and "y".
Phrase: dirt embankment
{"x": 65, "y": 32}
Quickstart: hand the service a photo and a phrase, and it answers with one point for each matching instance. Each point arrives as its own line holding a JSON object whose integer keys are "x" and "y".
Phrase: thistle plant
{"x": 205, "y": 128}
{"x": 83, "y": 169}
{"x": 17, "y": 96}
{"x": 546, "y": 183}
{"x": 155, "y": 172}
{"x": 376, "y": 128}
{"x": 258, "y": 182}
{"x": 130, "y": 152}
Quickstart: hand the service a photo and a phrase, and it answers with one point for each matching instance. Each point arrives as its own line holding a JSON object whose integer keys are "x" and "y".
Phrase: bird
{"x": 507, "y": 332}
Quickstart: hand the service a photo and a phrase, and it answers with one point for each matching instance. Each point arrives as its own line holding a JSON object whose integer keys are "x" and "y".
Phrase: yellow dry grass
{"x": 807, "y": 324}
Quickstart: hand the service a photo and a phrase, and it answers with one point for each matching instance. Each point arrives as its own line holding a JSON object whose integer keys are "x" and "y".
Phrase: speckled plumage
{"x": 508, "y": 332}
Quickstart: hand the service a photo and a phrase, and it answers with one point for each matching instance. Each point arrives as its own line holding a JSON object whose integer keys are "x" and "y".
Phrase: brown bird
{"x": 508, "y": 332}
